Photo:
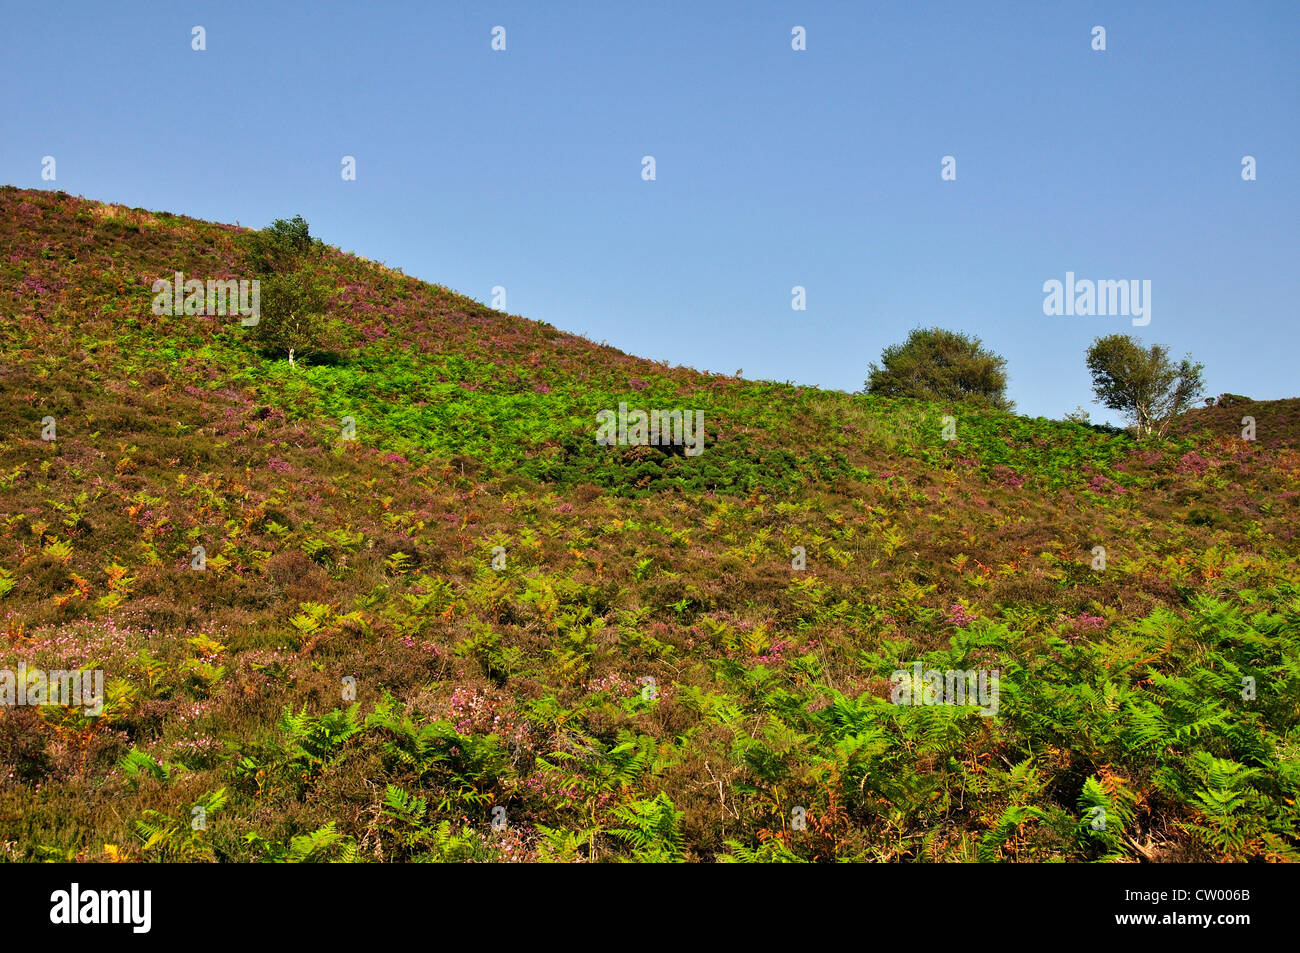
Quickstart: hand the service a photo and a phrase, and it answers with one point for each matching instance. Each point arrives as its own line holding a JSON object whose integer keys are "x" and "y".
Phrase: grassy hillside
{"x": 648, "y": 677}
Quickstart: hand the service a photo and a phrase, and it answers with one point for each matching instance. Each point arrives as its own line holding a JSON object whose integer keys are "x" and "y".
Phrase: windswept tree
{"x": 1143, "y": 383}
{"x": 292, "y": 319}
{"x": 934, "y": 364}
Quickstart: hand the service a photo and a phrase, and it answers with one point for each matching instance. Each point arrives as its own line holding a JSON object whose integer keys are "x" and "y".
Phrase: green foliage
{"x": 1228, "y": 802}
{"x": 1106, "y": 809}
{"x": 281, "y": 247}
{"x": 411, "y": 834}
{"x": 321, "y": 846}
{"x": 773, "y": 851}
{"x": 292, "y": 321}
{"x": 652, "y": 829}
{"x": 1163, "y": 690}
{"x": 310, "y": 742}
{"x": 182, "y": 839}
{"x": 1143, "y": 383}
{"x": 939, "y": 365}
{"x": 465, "y": 768}
{"x": 138, "y": 766}
{"x": 562, "y": 846}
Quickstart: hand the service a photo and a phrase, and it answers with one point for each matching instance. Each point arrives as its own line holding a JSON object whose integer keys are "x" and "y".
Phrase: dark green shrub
{"x": 934, "y": 364}
{"x": 282, "y": 246}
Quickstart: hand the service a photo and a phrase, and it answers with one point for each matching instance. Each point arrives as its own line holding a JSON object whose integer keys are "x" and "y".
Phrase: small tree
{"x": 1143, "y": 383}
{"x": 292, "y": 318}
{"x": 282, "y": 246}
{"x": 934, "y": 364}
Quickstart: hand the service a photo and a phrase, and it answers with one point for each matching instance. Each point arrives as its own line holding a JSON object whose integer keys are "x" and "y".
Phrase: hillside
{"x": 647, "y": 676}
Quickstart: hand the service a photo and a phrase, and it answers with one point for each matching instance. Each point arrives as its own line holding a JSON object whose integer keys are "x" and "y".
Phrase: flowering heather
{"x": 201, "y": 752}
{"x": 429, "y": 648}
{"x": 100, "y": 642}
{"x": 614, "y": 684}
{"x": 1007, "y": 477}
{"x": 354, "y": 666}
{"x": 959, "y": 616}
{"x": 1193, "y": 463}
{"x": 775, "y": 653}
{"x": 1104, "y": 485}
{"x": 472, "y": 712}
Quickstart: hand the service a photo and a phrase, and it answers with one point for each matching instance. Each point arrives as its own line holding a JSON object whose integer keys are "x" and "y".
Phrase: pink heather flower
{"x": 1101, "y": 484}
{"x": 958, "y": 616}
{"x": 1192, "y": 462}
{"x": 1086, "y": 623}
{"x": 1008, "y": 477}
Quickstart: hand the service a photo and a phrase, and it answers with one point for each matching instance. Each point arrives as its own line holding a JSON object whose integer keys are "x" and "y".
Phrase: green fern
{"x": 184, "y": 840}
{"x": 652, "y": 830}
{"x": 139, "y": 766}
{"x": 325, "y": 845}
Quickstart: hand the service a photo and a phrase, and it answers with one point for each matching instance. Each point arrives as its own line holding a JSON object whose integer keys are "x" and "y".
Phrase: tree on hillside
{"x": 1143, "y": 383}
{"x": 934, "y": 364}
{"x": 292, "y": 319}
{"x": 282, "y": 246}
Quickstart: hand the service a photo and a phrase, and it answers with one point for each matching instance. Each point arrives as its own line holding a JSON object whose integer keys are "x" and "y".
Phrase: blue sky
{"x": 775, "y": 168}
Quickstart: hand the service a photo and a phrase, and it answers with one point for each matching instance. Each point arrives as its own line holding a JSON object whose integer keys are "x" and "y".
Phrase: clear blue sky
{"x": 775, "y": 168}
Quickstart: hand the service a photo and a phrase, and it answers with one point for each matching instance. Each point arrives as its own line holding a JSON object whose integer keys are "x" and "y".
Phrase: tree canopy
{"x": 1143, "y": 383}
{"x": 281, "y": 246}
{"x": 292, "y": 319}
{"x": 935, "y": 364}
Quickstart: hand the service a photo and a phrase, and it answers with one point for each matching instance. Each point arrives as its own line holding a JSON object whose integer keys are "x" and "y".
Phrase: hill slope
{"x": 474, "y": 606}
